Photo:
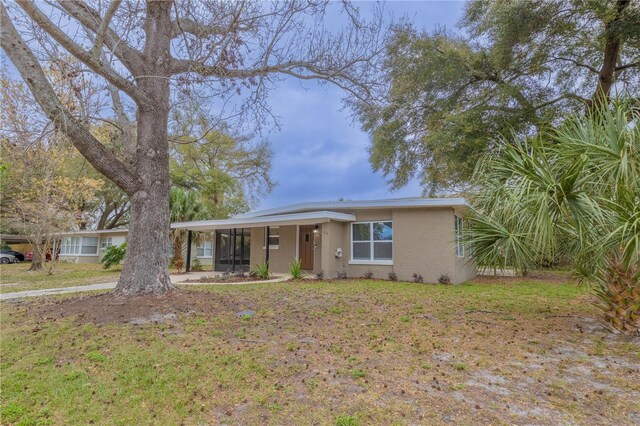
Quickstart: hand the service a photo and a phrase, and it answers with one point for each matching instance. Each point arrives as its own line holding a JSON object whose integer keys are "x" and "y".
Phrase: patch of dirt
{"x": 223, "y": 279}
{"x": 108, "y": 308}
{"x": 538, "y": 275}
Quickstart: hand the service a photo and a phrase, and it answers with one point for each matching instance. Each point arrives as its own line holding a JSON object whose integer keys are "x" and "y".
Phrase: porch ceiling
{"x": 308, "y": 218}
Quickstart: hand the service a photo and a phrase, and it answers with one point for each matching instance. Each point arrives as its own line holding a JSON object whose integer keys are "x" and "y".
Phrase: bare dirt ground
{"x": 502, "y": 351}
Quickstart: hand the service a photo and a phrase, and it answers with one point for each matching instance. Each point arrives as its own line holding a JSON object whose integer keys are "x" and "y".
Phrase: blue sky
{"x": 320, "y": 153}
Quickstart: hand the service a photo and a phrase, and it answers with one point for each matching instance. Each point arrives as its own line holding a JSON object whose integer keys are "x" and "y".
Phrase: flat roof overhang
{"x": 397, "y": 203}
{"x": 308, "y": 218}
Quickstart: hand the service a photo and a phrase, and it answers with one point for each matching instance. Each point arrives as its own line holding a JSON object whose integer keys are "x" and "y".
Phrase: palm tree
{"x": 572, "y": 192}
{"x": 184, "y": 205}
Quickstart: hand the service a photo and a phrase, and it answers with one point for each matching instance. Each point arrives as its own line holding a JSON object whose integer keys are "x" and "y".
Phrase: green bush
{"x": 196, "y": 266}
{"x": 113, "y": 255}
{"x": 262, "y": 270}
{"x": 296, "y": 270}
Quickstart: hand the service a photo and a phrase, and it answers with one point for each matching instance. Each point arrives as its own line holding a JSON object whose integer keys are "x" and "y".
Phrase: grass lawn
{"x": 361, "y": 352}
{"x": 16, "y": 277}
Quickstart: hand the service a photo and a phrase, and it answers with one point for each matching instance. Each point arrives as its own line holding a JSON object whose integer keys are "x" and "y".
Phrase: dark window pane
{"x": 382, "y": 251}
{"x": 361, "y": 251}
{"x": 361, "y": 232}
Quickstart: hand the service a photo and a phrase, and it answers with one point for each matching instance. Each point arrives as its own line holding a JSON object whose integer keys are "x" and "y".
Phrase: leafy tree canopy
{"x": 516, "y": 67}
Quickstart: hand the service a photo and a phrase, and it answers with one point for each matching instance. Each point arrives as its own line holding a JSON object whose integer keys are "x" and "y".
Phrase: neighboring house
{"x": 89, "y": 246}
{"x": 406, "y": 236}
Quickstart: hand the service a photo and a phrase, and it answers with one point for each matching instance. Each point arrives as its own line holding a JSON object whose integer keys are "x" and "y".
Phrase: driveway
{"x": 175, "y": 279}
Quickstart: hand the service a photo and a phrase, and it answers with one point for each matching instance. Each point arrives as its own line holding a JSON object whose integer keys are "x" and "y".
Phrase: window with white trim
{"x": 89, "y": 245}
{"x": 79, "y": 245}
{"x": 372, "y": 242}
{"x": 70, "y": 245}
{"x": 458, "y": 234}
{"x": 205, "y": 249}
{"x": 105, "y": 242}
{"x": 274, "y": 237}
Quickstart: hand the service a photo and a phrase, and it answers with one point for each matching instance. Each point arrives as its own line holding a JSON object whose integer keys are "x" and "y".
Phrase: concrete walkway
{"x": 175, "y": 279}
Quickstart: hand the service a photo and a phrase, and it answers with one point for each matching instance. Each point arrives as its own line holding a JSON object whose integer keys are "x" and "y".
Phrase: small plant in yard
{"x": 461, "y": 366}
{"x": 368, "y": 275}
{"x": 444, "y": 279}
{"x": 393, "y": 276}
{"x": 253, "y": 274}
{"x": 296, "y": 270}
{"x": 320, "y": 275}
{"x": 239, "y": 274}
{"x": 262, "y": 270}
{"x": 196, "y": 266}
{"x": 345, "y": 420}
{"x": 358, "y": 374}
{"x": 342, "y": 275}
{"x": 417, "y": 278}
{"x": 113, "y": 255}
{"x": 96, "y": 357}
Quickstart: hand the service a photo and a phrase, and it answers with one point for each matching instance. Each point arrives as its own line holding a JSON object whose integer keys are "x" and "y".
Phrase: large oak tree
{"x": 159, "y": 52}
{"x": 513, "y": 66}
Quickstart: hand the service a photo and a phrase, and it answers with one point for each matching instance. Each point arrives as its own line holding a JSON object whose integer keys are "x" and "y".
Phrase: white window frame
{"x": 105, "y": 242}
{"x": 203, "y": 246}
{"x": 75, "y": 247}
{"x": 371, "y": 260}
{"x": 458, "y": 228}
{"x": 271, "y": 235}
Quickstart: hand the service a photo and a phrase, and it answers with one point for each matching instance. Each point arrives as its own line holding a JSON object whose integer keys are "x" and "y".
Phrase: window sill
{"x": 79, "y": 255}
{"x": 271, "y": 247}
{"x": 371, "y": 262}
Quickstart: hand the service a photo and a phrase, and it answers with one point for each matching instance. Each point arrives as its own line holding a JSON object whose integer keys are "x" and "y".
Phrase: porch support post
{"x": 233, "y": 258}
{"x": 266, "y": 244}
{"x": 189, "y": 238}
{"x": 242, "y": 249}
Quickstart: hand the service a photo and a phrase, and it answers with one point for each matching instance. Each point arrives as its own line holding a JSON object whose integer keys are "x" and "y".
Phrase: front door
{"x": 306, "y": 247}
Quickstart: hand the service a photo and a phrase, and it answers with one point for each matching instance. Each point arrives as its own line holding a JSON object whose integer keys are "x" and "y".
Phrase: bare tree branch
{"x": 76, "y": 50}
{"x": 90, "y": 19}
{"x": 576, "y": 63}
{"x": 98, "y": 155}
{"x": 625, "y": 66}
{"x": 104, "y": 26}
{"x": 185, "y": 25}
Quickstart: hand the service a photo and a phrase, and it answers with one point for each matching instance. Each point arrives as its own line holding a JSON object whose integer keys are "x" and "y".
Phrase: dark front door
{"x": 306, "y": 247}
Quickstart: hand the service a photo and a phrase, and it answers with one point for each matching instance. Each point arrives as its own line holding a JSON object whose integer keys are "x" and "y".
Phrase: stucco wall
{"x": 280, "y": 259}
{"x": 116, "y": 240}
{"x": 79, "y": 259}
{"x": 423, "y": 243}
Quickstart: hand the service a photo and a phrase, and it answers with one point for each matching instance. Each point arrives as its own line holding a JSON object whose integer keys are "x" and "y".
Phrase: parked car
{"x": 17, "y": 254}
{"x": 28, "y": 256}
{"x": 7, "y": 258}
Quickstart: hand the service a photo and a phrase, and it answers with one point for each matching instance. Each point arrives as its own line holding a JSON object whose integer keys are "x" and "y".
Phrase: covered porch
{"x": 238, "y": 244}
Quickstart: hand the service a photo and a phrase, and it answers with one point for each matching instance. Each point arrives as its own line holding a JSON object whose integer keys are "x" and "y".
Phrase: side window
{"x": 458, "y": 235}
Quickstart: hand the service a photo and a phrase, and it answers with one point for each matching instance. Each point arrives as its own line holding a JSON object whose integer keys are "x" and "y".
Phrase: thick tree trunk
{"x": 607, "y": 74}
{"x": 36, "y": 261}
{"x": 146, "y": 262}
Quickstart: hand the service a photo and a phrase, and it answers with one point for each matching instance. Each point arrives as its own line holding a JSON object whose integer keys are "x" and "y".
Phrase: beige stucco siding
{"x": 79, "y": 259}
{"x": 423, "y": 243}
{"x": 280, "y": 259}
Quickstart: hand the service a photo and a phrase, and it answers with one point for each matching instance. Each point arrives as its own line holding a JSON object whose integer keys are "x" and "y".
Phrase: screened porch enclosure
{"x": 233, "y": 250}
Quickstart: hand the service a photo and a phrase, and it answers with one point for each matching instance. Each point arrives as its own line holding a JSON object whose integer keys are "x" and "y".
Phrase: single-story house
{"x": 89, "y": 246}
{"x": 406, "y": 236}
